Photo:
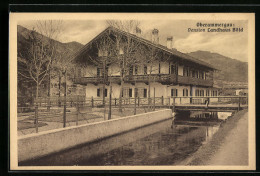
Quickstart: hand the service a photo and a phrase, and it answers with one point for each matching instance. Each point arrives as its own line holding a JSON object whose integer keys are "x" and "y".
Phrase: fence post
{"x": 173, "y": 105}
{"x": 110, "y": 102}
{"x": 64, "y": 114}
{"x": 92, "y": 102}
{"x": 77, "y": 120}
{"x": 154, "y": 98}
{"x": 135, "y": 102}
{"x": 49, "y": 104}
{"x": 36, "y": 118}
{"x": 238, "y": 109}
{"x": 162, "y": 100}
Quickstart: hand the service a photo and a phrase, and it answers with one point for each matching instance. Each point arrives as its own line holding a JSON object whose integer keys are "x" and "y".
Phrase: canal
{"x": 165, "y": 143}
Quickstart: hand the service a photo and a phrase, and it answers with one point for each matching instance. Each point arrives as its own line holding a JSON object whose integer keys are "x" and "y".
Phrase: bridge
{"x": 211, "y": 103}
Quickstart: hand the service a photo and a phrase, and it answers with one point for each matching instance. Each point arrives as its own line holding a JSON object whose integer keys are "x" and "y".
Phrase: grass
{"x": 27, "y": 125}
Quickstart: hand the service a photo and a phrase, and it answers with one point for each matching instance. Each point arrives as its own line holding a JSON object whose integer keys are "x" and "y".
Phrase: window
{"x": 172, "y": 69}
{"x": 145, "y": 70}
{"x": 136, "y": 70}
{"x": 159, "y": 67}
{"x": 185, "y": 92}
{"x": 98, "y": 72}
{"x": 185, "y": 71}
{"x": 145, "y": 93}
{"x": 131, "y": 70}
{"x": 197, "y": 93}
{"x": 207, "y": 92}
{"x": 105, "y": 92}
{"x": 202, "y": 75}
{"x": 214, "y": 93}
{"x": 202, "y": 93}
{"x": 98, "y": 92}
{"x": 130, "y": 92}
{"x": 193, "y": 73}
{"x": 174, "y": 92}
{"x": 197, "y": 74}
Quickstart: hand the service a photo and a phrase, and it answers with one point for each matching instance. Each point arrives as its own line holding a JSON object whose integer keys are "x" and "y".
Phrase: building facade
{"x": 171, "y": 74}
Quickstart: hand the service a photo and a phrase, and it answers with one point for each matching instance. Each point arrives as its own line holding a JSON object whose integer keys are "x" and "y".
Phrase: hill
{"x": 23, "y": 42}
{"x": 230, "y": 70}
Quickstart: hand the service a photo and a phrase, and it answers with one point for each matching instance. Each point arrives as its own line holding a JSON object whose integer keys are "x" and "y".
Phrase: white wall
{"x": 90, "y": 71}
{"x": 164, "y": 67}
{"x": 114, "y": 70}
{"x": 180, "y": 70}
{"x": 44, "y": 143}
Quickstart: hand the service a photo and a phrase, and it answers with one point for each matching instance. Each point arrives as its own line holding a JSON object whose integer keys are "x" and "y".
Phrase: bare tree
{"x": 125, "y": 48}
{"x": 150, "y": 58}
{"x": 64, "y": 64}
{"x": 37, "y": 60}
{"x": 51, "y": 29}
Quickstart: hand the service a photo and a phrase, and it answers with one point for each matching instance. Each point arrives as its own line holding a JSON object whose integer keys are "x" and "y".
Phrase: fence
{"x": 78, "y": 109}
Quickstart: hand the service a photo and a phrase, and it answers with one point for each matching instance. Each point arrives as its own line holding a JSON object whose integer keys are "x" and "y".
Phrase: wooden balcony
{"x": 195, "y": 81}
{"x": 161, "y": 78}
{"x": 164, "y": 79}
{"x": 96, "y": 80}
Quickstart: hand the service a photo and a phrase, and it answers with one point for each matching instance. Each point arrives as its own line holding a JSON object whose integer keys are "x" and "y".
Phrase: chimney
{"x": 138, "y": 31}
{"x": 169, "y": 42}
{"x": 155, "y": 36}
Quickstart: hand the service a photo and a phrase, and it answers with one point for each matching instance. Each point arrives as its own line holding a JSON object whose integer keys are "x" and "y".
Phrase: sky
{"x": 230, "y": 44}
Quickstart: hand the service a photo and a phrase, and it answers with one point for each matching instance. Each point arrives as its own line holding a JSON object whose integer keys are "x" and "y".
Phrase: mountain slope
{"x": 23, "y": 43}
{"x": 231, "y": 70}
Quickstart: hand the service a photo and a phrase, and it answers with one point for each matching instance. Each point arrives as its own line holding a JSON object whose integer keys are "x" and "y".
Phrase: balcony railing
{"x": 195, "y": 81}
{"x": 161, "y": 78}
{"x": 96, "y": 80}
{"x": 165, "y": 78}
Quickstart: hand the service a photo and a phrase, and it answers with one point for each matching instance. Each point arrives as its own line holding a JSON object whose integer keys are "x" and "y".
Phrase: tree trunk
{"x": 59, "y": 88}
{"x": 110, "y": 103}
{"x": 104, "y": 87}
{"x": 121, "y": 94}
{"x": 49, "y": 90}
{"x": 36, "y": 108}
{"x": 65, "y": 100}
{"x": 149, "y": 90}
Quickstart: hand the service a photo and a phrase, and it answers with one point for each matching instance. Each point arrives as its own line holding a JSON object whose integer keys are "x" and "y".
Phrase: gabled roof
{"x": 147, "y": 42}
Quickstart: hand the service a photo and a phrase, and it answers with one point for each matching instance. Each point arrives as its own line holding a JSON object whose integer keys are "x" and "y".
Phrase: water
{"x": 164, "y": 143}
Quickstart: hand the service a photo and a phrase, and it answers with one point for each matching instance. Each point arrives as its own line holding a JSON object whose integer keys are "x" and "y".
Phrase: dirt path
{"x": 234, "y": 149}
{"x": 228, "y": 146}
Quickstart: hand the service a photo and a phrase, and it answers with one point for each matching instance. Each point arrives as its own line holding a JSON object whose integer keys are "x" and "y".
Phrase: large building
{"x": 173, "y": 74}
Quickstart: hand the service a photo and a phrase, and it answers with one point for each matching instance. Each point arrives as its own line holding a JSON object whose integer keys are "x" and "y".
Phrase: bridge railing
{"x": 73, "y": 101}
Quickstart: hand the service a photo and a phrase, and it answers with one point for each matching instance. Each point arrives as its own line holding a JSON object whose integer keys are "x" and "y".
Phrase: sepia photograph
{"x": 132, "y": 91}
